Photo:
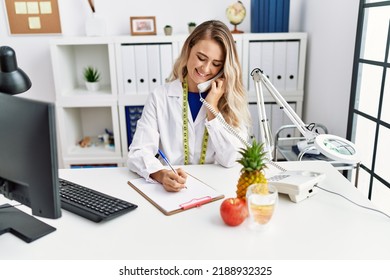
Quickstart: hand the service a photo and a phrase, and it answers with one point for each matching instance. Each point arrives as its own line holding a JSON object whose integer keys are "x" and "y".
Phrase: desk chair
{"x": 286, "y": 140}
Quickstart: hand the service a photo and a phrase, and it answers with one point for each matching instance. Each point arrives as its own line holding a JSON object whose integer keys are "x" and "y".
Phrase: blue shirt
{"x": 195, "y": 103}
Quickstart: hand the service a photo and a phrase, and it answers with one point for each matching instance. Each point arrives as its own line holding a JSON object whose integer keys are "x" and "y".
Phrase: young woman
{"x": 174, "y": 120}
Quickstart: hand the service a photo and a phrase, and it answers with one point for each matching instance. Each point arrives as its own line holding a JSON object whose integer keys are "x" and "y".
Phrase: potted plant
{"x": 168, "y": 30}
{"x": 92, "y": 78}
{"x": 191, "y": 26}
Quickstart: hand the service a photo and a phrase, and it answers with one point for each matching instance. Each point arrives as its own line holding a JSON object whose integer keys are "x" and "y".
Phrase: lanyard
{"x": 185, "y": 129}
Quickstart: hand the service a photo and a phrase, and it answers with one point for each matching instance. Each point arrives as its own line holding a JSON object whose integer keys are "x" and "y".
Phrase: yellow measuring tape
{"x": 185, "y": 130}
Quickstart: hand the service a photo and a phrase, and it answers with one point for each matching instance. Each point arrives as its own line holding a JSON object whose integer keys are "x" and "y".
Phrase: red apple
{"x": 234, "y": 211}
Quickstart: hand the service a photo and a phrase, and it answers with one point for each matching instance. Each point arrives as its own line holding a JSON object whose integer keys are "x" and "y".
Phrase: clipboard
{"x": 196, "y": 194}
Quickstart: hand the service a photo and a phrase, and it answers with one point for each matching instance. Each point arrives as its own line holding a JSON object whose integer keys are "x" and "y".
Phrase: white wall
{"x": 331, "y": 26}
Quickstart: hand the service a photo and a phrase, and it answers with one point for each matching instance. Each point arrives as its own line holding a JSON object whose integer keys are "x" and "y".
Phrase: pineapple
{"x": 253, "y": 165}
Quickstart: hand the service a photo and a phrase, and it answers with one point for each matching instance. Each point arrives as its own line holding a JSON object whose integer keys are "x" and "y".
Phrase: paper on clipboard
{"x": 197, "y": 193}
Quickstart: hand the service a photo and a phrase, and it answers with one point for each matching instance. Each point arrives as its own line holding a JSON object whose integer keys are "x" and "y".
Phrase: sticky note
{"x": 45, "y": 7}
{"x": 32, "y": 8}
{"x": 34, "y": 23}
{"x": 20, "y": 8}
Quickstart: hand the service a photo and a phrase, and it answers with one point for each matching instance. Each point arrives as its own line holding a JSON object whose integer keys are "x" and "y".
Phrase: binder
{"x": 196, "y": 194}
{"x": 128, "y": 62}
{"x": 141, "y": 66}
{"x": 256, "y": 16}
{"x": 279, "y": 16}
{"x": 133, "y": 114}
{"x": 279, "y": 74}
{"x": 166, "y": 61}
{"x": 154, "y": 73}
{"x": 267, "y": 59}
{"x": 292, "y": 61}
{"x": 272, "y": 15}
{"x": 286, "y": 15}
{"x": 266, "y": 15}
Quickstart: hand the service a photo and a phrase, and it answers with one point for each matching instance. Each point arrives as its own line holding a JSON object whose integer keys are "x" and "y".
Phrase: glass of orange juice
{"x": 262, "y": 200}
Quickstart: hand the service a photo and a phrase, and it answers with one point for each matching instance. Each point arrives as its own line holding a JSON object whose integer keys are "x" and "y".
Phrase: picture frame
{"x": 143, "y": 25}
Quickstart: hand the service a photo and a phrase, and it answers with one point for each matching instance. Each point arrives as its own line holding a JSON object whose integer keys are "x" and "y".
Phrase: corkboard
{"x": 33, "y": 16}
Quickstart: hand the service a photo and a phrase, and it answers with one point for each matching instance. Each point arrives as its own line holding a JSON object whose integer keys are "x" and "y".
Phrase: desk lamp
{"x": 12, "y": 79}
{"x": 332, "y": 146}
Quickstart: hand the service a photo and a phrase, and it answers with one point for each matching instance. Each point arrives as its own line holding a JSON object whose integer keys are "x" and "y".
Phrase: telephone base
{"x": 298, "y": 185}
{"x": 306, "y": 193}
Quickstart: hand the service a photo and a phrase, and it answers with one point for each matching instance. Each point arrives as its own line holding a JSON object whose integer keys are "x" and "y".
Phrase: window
{"x": 369, "y": 114}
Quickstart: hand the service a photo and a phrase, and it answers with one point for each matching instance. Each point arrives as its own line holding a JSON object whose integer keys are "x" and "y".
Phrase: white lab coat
{"x": 161, "y": 127}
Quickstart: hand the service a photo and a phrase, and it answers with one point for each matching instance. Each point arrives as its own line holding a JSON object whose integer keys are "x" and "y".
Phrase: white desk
{"x": 324, "y": 226}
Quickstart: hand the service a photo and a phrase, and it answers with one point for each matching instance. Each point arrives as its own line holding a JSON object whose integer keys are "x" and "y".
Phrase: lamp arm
{"x": 258, "y": 77}
{"x": 265, "y": 131}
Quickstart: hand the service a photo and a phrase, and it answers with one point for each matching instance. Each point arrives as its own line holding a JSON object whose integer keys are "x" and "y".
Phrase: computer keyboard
{"x": 91, "y": 204}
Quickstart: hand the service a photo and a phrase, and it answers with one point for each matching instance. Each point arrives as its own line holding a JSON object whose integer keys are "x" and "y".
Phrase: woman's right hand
{"x": 171, "y": 181}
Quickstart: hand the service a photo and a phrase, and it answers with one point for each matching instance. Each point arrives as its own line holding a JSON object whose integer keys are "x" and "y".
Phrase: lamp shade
{"x": 12, "y": 79}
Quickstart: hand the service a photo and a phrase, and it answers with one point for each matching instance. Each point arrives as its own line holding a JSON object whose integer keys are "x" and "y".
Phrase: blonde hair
{"x": 233, "y": 105}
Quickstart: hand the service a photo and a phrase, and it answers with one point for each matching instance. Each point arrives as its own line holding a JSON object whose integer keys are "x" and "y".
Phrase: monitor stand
{"x": 21, "y": 224}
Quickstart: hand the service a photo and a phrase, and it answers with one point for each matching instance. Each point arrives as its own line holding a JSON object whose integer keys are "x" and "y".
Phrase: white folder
{"x": 267, "y": 59}
{"x": 166, "y": 61}
{"x": 292, "y": 60}
{"x": 279, "y": 74}
{"x": 129, "y": 82}
{"x": 154, "y": 71}
{"x": 141, "y": 64}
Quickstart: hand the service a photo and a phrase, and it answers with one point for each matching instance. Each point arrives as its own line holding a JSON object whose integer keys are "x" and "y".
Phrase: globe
{"x": 236, "y": 13}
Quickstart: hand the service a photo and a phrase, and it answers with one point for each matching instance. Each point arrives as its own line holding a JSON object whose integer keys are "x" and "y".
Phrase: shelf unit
{"x": 131, "y": 66}
{"x": 81, "y": 113}
{"x": 282, "y": 57}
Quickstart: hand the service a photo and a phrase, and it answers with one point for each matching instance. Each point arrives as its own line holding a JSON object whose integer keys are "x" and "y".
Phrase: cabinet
{"x": 131, "y": 67}
{"x": 281, "y": 56}
{"x": 81, "y": 113}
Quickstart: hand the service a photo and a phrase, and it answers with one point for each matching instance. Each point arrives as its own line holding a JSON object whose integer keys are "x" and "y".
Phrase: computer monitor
{"x": 28, "y": 166}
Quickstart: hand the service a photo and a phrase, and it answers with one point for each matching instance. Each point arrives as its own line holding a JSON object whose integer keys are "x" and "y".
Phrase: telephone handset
{"x": 202, "y": 87}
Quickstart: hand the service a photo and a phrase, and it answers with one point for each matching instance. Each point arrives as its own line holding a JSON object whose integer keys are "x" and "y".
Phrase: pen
{"x": 166, "y": 160}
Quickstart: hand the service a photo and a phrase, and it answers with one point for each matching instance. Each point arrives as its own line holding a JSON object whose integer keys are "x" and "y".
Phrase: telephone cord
{"x": 357, "y": 204}
{"x": 235, "y": 132}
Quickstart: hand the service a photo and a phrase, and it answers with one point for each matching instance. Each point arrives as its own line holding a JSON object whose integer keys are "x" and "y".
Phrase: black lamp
{"x": 13, "y": 80}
